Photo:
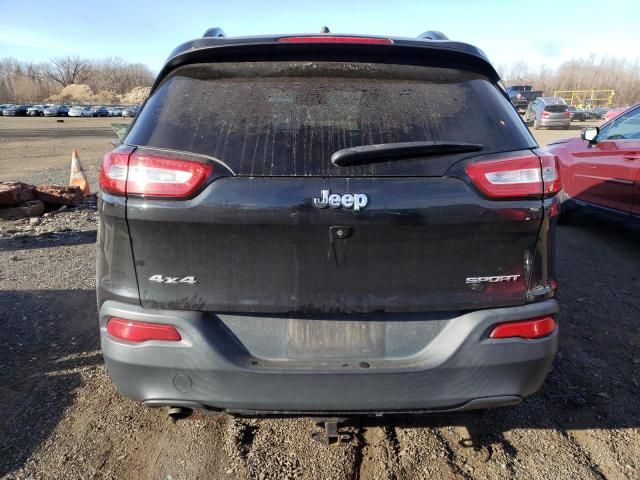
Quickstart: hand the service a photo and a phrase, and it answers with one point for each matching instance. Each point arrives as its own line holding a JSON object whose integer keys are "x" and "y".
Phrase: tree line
{"x": 29, "y": 82}
{"x": 589, "y": 73}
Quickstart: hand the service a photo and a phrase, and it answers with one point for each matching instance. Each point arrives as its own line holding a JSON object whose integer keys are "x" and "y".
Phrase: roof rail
{"x": 433, "y": 35}
{"x": 214, "y": 32}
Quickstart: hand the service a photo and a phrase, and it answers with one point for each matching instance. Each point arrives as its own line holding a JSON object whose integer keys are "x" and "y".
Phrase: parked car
{"x": 614, "y": 112}
{"x": 3, "y": 107}
{"x": 577, "y": 114}
{"x": 56, "y": 111}
{"x": 80, "y": 112}
{"x": 98, "y": 111}
{"x": 36, "y": 110}
{"x": 601, "y": 170}
{"x": 599, "y": 113}
{"x": 15, "y": 111}
{"x": 308, "y": 242}
{"x": 115, "y": 111}
{"x": 548, "y": 112}
{"x": 591, "y": 114}
{"x": 522, "y": 95}
{"x": 129, "y": 111}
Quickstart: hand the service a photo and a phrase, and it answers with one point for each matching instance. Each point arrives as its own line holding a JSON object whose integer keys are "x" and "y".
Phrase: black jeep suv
{"x": 307, "y": 224}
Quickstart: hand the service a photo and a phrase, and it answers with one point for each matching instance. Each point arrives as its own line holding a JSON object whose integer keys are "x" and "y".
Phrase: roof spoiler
{"x": 215, "y": 44}
{"x": 217, "y": 32}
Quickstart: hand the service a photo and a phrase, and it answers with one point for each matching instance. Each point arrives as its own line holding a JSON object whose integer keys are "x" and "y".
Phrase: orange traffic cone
{"x": 78, "y": 177}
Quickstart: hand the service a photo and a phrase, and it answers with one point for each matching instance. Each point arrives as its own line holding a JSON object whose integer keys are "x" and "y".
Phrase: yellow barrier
{"x": 587, "y": 98}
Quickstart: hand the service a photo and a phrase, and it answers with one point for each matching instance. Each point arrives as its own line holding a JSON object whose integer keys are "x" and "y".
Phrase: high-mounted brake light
{"x": 151, "y": 174}
{"x": 137, "y": 332}
{"x": 336, "y": 39}
{"x": 529, "y": 329}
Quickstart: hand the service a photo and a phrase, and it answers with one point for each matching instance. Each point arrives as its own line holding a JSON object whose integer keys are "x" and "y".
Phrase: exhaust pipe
{"x": 178, "y": 413}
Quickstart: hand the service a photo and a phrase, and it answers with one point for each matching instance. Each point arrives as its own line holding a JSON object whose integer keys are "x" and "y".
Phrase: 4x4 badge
{"x": 356, "y": 201}
{"x": 174, "y": 280}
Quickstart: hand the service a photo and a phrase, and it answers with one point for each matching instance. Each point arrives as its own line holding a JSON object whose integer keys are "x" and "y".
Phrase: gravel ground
{"x": 64, "y": 419}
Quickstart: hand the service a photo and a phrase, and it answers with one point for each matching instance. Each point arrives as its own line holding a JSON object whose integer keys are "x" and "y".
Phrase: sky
{"x": 536, "y": 33}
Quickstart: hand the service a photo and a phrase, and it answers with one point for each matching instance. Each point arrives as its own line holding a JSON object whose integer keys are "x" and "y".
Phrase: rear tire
{"x": 565, "y": 217}
{"x": 565, "y": 214}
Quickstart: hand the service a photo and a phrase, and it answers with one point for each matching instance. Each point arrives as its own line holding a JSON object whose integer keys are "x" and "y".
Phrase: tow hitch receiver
{"x": 330, "y": 435}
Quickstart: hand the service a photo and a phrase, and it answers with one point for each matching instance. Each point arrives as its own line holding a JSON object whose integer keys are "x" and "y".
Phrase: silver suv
{"x": 548, "y": 112}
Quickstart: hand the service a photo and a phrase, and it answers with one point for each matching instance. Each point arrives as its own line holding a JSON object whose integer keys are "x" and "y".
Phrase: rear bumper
{"x": 555, "y": 123}
{"x": 211, "y": 368}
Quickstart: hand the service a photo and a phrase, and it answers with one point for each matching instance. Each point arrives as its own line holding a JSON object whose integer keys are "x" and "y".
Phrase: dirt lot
{"x": 38, "y": 149}
{"x": 63, "y": 419}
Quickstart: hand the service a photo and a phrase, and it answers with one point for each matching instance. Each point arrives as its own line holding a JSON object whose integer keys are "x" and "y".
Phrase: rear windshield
{"x": 556, "y": 108}
{"x": 287, "y": 118}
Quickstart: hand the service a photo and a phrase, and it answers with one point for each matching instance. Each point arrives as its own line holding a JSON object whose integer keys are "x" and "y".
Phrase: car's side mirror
{"x": 590, "y": 134}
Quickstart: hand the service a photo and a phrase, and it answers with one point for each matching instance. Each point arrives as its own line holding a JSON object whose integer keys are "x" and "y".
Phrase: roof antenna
{"x": 325, "y": 30}
{"x": 433, "y": 35}
{"x": 215, "y": 32}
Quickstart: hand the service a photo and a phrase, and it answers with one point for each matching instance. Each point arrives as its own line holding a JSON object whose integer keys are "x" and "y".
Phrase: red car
{"x": 611, "y": 114}
{"x": 601, "y": 170}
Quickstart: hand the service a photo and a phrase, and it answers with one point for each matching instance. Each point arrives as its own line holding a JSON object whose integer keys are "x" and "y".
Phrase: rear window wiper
{"x": 391, "y": 151}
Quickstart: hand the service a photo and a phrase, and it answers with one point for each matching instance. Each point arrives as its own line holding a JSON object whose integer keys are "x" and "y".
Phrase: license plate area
{"x": 332, "y": 339}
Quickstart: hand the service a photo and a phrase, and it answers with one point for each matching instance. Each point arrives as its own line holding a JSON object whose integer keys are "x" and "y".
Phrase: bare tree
{"x": 68, "y": 70}
{"x": 589, "y": 73}
{"x": 105, "y": 81}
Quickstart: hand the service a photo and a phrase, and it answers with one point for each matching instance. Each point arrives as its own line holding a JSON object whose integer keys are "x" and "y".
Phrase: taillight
{"x": 552, "y": 183}
{"x": 113, "y": 171}
{"x": 137, "y": 332}
{"x": 336, "y": 39}
{"x": 508, "y": 178}
{"x": 545, "y": 114}
{"x": 567, "y": 114}
{"x": 159, "y": 176}
{"x": 529, "y": 329}
{"x": 151, "y": 174}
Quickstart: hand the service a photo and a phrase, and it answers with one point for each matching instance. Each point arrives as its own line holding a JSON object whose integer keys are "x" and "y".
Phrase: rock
{"x": 13, "y": 193}
{"x": 32, "y": 208}
{"x": 34, "y": 221}
{"x": 59, "y": 194}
